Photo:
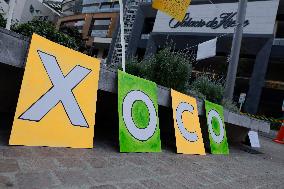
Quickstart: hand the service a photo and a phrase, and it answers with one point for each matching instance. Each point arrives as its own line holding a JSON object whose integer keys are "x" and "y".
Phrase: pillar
{"x": 257, "y": 80}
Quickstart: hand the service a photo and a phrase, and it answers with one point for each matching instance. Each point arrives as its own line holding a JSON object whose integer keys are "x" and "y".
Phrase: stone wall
{"x": 13, "y": 48}
{"x": 13, "y": 52}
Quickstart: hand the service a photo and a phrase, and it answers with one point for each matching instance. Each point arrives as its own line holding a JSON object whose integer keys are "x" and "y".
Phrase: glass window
{"x": 104, "y": 22}
{"x": 99, "y": 33}
{"x": 105, "y": 5}
{"x": 116, "y": 5}
{"x": 79, "y": 23}
{"x": 148, "y": 25}
{"x": 90, "y": 9}
{"x": 87, "y": 2}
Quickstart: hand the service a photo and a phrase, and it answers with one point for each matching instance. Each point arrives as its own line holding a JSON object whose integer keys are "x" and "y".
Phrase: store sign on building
{"x": 225, "y": 20}
{"x": 221, "y": 18}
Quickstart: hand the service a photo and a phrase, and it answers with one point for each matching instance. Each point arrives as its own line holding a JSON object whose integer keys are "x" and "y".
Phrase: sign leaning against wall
{"x": 53, "y": 108}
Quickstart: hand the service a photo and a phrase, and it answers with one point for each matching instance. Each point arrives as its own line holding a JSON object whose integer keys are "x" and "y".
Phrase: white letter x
{"x": 60, "y": 92}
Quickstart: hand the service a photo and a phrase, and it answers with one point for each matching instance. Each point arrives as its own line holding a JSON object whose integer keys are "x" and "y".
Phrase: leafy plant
{"x": 170, "y": 69}
{"x": 173, "y": 70}
{"x": 210, "y": 89}
{"x": 166, "y": 68}
{"x": 47, "y": 30}
{"x": 2, "y": 21}
{"x": 134, "y": 67}
{"x": 207, "y": 88}
{"x": 74, "y": 32}
{"x": 230, "y": 105}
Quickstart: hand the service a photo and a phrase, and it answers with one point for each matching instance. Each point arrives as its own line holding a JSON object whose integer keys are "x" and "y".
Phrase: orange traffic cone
{"x": 280, "y": 137}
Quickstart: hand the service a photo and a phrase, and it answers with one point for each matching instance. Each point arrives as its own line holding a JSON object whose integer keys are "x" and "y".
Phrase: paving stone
{"x": 8, "y": 165}
{"x": 211, "y": 177}
{"x": 74, "y": 163}
{"x": 47, "y": 152}
{"x": 116, "y": 162}
{"x": 104, "y": 187}
{"x": 219, "y": 186}
{"x": 171, "y": 182}
{"x": 6, "y": 182}
{"x": 119, "y": 174}
{"x": 163, "y": 183}
{"x": 140, "y": 161}
{"x": 16, "y": 152}
{"x": 74, "y": 152}
{"x": 107, "y": 162}
{"x": 182, "y": 164}
{"x": 271, "y": 186}
{"x": 151, "y": 183}
{"x": 130, "y": 186}
{"x": 37, "y": 164}
{"x": 162, "y": 170}
{"x": 71, "y": 187}
{"x": 73, "y": 178}
{"x": 97, "y": 162}
{"x": 196, "y": 179}
{"x": 34, "y": 180}
{"x": 104, "y": 166}
{"x": 259, "y": 180}
{"x": 228, "y": 174}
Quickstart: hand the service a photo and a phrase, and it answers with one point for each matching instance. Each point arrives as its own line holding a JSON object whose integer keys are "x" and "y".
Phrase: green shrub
{"x": 2, "y": 21}
{"x": 170, "y": 69}
{"x": 134, "y": 67}
{"x": 230, "y": 105}
{"x": 210, "y": 89}
{"x": 173, "y": 70}
{"x": 73, "y": 32}
{"x": 47, "y": 30}
{"x": 197, "y": 94}
{"x": 166, "y": 68}
{"x": 206, "y": 88}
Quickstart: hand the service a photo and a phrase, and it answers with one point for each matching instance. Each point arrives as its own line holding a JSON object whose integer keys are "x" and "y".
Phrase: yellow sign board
{"x": 186, "y": 122}
{"x": 175, "y": 8}
{"x": 57, "y": 102}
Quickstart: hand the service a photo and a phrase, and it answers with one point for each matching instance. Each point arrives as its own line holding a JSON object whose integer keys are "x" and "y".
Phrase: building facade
{"x": 261, "y": 66}
{"x": 130, "y": 12}
{"x": 95, "y": 19}
{"x": 27, "y": 10}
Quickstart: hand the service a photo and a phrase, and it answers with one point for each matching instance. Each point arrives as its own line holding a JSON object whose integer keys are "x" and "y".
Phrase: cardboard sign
{"x": 174, "y": 8}
{"x": 254, "y": 140}
{"x": 207, "y": 49}
{"x": 216, "y": 128}
{"x": 189, "y": 139}
{"x": 57, "y": 102}
{"x": 138, "y": 114}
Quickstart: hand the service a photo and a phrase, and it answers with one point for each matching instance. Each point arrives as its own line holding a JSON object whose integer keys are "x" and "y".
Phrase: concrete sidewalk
{"x": 105, "y": 168}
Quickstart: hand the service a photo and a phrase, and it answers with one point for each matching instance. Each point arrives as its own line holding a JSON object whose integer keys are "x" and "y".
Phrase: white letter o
{"x": 218, "y": 139}
{"x": 129, "y": 100}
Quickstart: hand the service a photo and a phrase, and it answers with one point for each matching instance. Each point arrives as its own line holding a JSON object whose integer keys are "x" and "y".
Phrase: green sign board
{"x": 216, "y": 128}
{"x": 138, "y": 114}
